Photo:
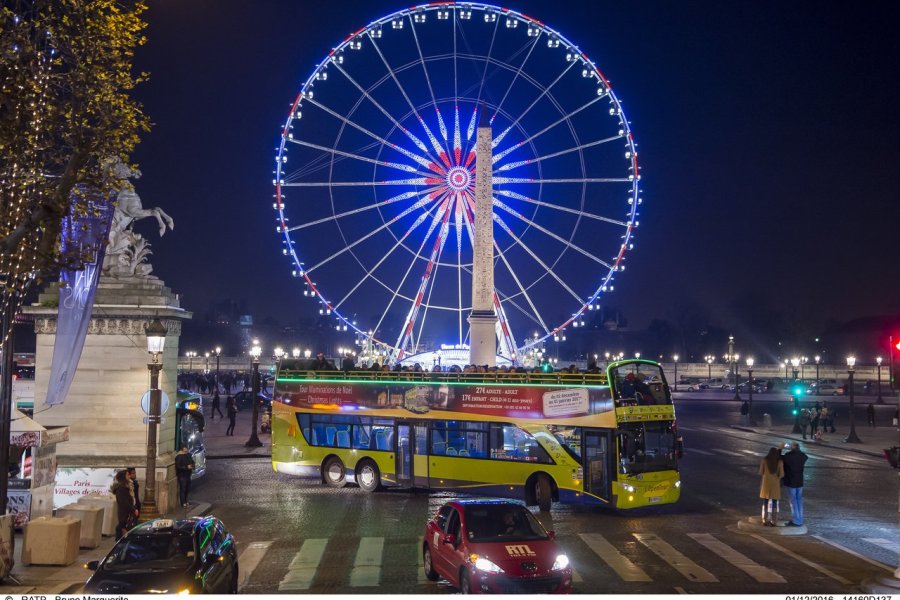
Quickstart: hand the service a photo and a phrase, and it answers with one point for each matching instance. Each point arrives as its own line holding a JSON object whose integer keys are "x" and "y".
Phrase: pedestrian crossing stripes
{"x": 698, "y": 451}
{"x": 748, "y": 566}
{"x": 367, "y": 565}
{"x": 676, "y": 559}
{"x": 623, "y": 567}
{"x": 618, "y": 555}
{"x": 302, "y": 569}
{"x": 728, "y": 452}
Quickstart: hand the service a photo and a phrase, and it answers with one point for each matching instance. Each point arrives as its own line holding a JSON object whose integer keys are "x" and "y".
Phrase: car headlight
{"x": 185, "y": 591}
{"x": 483, "y": 564}
{"x": 561, "y": 562}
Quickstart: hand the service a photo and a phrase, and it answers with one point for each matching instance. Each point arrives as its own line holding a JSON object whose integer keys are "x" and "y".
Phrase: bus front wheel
{"x": 367, "y": 476}
{"x": 543, "y": 492}
{"x": 333, "y": 472}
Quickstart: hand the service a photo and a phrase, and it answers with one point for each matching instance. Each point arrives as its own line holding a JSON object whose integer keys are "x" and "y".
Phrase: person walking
{"x": 125, "y": 510}
{"x": 216, "y": 407}
{"x": 772, "y": 470}
{"x": 793, "y": 481}
{"x": 184, "y": 468}
{"x": 870, "y": 414}
{"x": 231, "y": 409}
{"x": 131, "y": 472}
{"x": 804, "y": 421}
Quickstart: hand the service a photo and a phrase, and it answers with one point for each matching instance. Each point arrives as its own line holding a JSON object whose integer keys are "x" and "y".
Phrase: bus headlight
{"x": 561, "y": 562}
{"x": 483, "y": 564}
{"x": 678, "y": 483}
{"x": 627, "y": 487}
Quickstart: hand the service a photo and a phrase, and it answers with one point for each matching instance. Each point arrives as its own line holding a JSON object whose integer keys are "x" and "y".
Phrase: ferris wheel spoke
{"x": 516, "y": 76}
{"x": 374, "y": 161}
{"x": 549, "y": 233}
{"x": 427, "y": 163}
{"x": 355, "y": 211}
{"x": 499, "y": 155}
{"x": 441, "y": 152}
{"x": 578, "y": 148}
{"x": 419, "y": 204}
{"x": 426, "y": 283}
{"x": 522, "y": 289}
{"x": 415, "y": 140}
{"x": 411, "y": 181}
{"x": 441, "y": 125}
{"x": 567, "y": 180}
{"x": 537, "y": 259}
{"x": 496, "y": 141}
{"x": 408, "y": 270}
{"x": 421, "y": 219}
{"x": 574, "y": 211}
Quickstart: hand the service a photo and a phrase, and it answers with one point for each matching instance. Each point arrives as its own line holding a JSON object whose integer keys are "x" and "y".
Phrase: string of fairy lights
{"x": 28, "y": 54}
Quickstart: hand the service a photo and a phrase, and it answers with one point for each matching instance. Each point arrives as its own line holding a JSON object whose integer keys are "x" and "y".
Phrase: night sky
{"x": 769, "y": 136}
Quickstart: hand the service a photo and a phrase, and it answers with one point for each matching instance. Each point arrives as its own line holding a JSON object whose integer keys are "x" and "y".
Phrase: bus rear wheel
{"x": 543, "y": 492}
{"x": 367, "y": 476}
{"x": 333, "y": 472}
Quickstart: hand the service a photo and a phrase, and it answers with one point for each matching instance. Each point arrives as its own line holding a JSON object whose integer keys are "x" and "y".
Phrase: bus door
{"x": 406, "y": 440}
{"x": 598, "y": 462}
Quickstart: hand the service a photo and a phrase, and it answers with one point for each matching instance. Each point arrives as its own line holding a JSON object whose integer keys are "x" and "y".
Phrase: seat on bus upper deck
{"x": 451, "y": 451}
{"x": 343, "y": 439}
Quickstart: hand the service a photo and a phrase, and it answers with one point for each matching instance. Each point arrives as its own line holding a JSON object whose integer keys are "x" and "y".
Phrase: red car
{"x": 494, "y": 546}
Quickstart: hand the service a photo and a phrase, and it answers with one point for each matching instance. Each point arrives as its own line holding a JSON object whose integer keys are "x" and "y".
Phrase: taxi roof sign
{"x": 162, "y": 524}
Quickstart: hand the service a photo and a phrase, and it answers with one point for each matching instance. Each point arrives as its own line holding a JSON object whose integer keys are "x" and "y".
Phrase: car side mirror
{"x": 450, "y": 539}
{"x": 552, "y": 534}
{"x": 92, "y": 565}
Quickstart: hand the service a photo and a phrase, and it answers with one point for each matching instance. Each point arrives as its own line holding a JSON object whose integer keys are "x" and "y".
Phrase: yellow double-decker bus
{"x": 607, "y": 438}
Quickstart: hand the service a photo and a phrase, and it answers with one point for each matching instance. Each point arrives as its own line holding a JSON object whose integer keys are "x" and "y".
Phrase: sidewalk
{"x": 43, "y": 579}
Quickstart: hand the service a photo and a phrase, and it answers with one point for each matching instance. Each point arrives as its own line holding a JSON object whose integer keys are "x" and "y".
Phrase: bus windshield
{"x": 646, "y": 446}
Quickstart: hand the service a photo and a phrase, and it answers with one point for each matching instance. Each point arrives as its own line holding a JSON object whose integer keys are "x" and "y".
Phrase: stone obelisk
{"x": 483, "y": 319}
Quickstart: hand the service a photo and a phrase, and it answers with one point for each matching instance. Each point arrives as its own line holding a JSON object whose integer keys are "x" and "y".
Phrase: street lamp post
{"x": 295, "y": 352}
{"x": 218, "y": 352}
{"x": 255, "y": 351}
{"x": 709, "y": 362}
{"x": 156, "y": 340}
{"x": 786, "y": 363}
{"x": 675, "y": 360}
{"x": 803, "y": 361}
{"x": 750, "y": 392}
{"x": 206, "y": 355}
{"x": 190, "y": 354}
{"x": 795, "y": 364}
{"x": 851, "y": 438}
{"x": 878, "y": 362}
{"x": 818, "y": 360}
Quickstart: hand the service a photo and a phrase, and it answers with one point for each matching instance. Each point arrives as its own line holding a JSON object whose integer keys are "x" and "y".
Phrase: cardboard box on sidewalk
{"x": 51, "y": 541}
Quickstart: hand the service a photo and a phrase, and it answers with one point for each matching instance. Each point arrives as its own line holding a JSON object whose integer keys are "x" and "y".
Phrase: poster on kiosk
{"x": 32, "y": 467}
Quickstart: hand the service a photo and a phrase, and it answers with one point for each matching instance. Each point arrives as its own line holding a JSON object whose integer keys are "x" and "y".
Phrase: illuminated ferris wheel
{"x": 375, "y": 178}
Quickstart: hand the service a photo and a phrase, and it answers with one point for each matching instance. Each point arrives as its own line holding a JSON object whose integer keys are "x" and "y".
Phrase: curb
{"x": 754, "y": 525}
{"x": 791, "y": 436}
{"x": 251, "y": 455}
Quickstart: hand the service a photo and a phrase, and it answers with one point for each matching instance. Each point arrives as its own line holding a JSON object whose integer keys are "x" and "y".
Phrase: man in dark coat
{"x": 184, "y": 468}
{"x": 793, "y": 481}
{"x": 125, "y": 510}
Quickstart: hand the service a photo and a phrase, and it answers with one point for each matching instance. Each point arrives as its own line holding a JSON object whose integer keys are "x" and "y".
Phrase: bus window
{"x": 646, "y": 446}
{"x": 640, "y": 384}
{"x": 509, "y": 442}
{"x": 459, "y": 438}
{"x": 569, "y": 438}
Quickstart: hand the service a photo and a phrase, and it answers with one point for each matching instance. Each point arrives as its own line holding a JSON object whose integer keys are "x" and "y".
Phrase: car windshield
{"x": 502, "y": 523}
{"x": 171, "y": 549}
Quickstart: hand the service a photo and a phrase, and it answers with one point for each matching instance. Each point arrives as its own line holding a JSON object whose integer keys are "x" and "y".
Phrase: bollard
{"x": 767, "y": 420}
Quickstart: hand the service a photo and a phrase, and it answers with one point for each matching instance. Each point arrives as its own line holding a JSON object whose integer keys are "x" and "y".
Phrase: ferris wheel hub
{"x": 459, "y": 179}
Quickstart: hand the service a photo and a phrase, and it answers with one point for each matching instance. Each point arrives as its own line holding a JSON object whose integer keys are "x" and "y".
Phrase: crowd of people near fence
{"x": 205, "y": 383}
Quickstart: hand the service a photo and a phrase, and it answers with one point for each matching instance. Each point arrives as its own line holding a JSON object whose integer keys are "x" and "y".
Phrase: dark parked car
{"x": 164, "y": 556}
{"x": 243, "y": 400}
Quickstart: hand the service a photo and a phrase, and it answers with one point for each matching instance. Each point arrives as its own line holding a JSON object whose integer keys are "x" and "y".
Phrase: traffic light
{"x": 795, "y": 408}
{"x": 796, "y": 391}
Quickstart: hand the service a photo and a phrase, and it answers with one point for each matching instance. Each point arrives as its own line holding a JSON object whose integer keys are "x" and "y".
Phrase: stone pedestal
{"x": 103, "y": 408}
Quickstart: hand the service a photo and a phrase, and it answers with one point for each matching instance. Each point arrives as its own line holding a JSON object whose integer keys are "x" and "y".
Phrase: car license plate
{"x": 652, "y": 499}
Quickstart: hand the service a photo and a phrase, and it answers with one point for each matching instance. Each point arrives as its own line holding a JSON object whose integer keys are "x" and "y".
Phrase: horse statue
{"x": 127, "y": 251}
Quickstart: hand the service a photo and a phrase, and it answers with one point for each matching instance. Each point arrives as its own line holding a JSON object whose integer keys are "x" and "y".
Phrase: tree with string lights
{"x": 65, "y": 115}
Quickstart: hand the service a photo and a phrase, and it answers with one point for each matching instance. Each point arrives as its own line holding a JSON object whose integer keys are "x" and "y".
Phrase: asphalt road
{"x": 297, "y": 535}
